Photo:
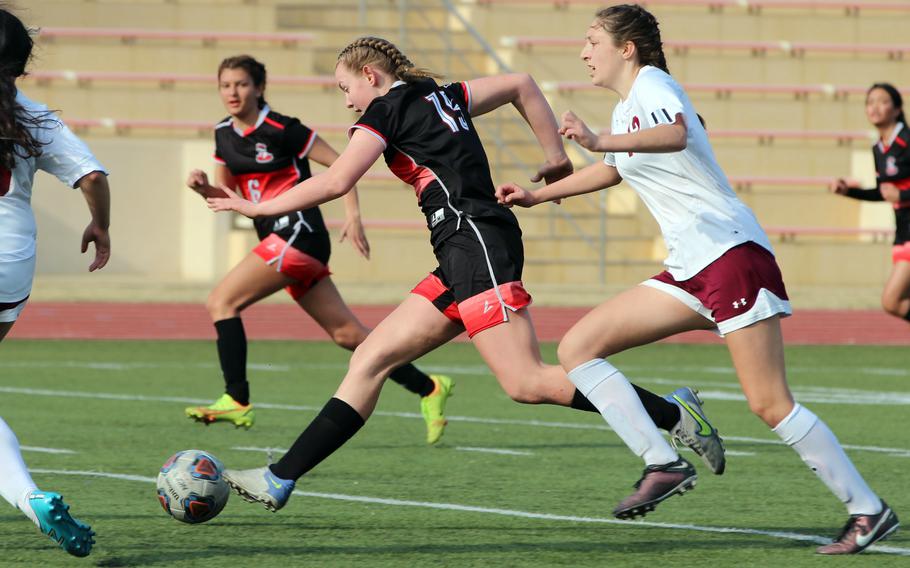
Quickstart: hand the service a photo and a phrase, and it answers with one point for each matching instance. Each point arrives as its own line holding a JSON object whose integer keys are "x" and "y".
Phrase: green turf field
{"x": 386, "y": 499}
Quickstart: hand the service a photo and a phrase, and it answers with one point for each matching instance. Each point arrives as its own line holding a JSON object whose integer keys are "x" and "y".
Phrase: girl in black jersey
{"x": 262, "y": 154}
{"x": 426, "y": 135}
{"x": 884, "y": 108}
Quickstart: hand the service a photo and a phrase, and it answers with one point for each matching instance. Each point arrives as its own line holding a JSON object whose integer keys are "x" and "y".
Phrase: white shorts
{"x": 15, "y": 287}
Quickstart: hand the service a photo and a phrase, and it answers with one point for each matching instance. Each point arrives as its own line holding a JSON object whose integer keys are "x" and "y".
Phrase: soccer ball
{"x": 191, "y": 487}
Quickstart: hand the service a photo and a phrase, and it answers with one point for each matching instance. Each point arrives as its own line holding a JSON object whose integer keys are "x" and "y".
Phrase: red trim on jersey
{"x": 900, "y": 142}
{"x": 307, "y": 146}
{"x": 277, "y": 125}
{"x": 218, "y": 160}
{"x": 483, "y": 311}
{"x": 5, "y": 178}
{"x": 467, "y": 94}
{"x": 368, "y": 129}
{"x": 249, "y": 130}
{"x": 269, "y": 184}
{"x": 409, "y": 172}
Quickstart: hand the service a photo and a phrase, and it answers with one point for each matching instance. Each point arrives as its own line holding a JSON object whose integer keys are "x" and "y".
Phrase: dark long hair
{"x": 254, "y": 68}
{"x": 896, "y": 99}
{"x": 631, "y": 22}
{"x": 16, "y": 140}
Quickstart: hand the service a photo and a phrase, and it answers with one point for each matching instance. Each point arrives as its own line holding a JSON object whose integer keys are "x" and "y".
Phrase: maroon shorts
{"x": 290, "y": 261}
{"x": 742, "y": 287}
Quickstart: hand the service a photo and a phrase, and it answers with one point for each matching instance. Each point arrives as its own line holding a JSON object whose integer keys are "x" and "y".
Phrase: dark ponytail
{"x": 896, "y": 99}
{"x": 631, "y": 22}
{"x": 254, "y": 68}
{"x": 16, "y": 140}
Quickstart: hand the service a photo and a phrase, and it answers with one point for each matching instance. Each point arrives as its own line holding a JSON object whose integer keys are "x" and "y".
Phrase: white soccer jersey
{"x": 699, "y": 215}
{"x": 63, "y": 155}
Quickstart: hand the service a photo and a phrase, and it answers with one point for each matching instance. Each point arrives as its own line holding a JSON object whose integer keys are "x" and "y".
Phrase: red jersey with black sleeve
{"x": 267, "y": 159}
{"x": 431, "y": 144}
{"x": 892, "y": 165}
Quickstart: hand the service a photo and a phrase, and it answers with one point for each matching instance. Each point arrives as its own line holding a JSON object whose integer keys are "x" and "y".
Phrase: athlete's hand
{"x": 95, "y": 234}
{"x": 197, "y": 179}
{"x": 890, "y": 192}
{"x": 553, "y": 171}
{"x": 574, "y": 128}
{"x": 353, "y": 231}
{"x": 841, "y": 185}
{"x": 509, "y": 194}
{"x": 232, "y": 202}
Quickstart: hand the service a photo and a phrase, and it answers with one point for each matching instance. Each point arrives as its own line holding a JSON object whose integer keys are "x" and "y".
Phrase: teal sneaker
{"x": 55, "y": 521}
{"x": 260, "y": 485}
{"x": 694, "y": 430}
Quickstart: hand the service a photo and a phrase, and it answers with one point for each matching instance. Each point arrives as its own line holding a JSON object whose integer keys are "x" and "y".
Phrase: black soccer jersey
{"x": 267, "y": 159}
{"x": 430, "y": 143}
{"x": 892, "y": 165}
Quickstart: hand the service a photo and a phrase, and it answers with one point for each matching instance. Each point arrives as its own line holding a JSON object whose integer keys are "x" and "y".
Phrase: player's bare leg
{"x": 247, "y": 283}
{"x": 758, "y": 356}
{"x": 896, "y": 295}
{"x": 414, "y": 328}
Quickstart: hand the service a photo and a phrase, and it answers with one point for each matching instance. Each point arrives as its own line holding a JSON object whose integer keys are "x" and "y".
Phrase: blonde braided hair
{"x": 382, "y": 54}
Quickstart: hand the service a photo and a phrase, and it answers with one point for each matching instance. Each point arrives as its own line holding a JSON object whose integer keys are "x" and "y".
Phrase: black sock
{"x": 413, "y": 379}
{"x": 232, "y": 354}
{"x": 665, "y": 414}
{"x": 334, "y": 426}
{"x": 907, "y": 315}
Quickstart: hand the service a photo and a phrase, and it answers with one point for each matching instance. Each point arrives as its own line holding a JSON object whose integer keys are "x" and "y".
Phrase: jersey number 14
{"x": 451, "y": 119}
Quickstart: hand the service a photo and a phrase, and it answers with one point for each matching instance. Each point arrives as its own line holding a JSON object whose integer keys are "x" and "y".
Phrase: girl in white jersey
{"x": 32, "y": 138}
{"x": 721, "y": 275}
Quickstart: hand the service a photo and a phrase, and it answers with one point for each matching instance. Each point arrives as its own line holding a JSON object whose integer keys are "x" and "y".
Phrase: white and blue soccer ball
{"x": 191, "y": 486}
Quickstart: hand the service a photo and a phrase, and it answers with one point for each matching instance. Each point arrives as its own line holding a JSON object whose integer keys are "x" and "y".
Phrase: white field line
{"x": 898, "y": 452}
{"x": 730, "y": 389}
{"x": 500, "y": 451}
{"x": 519, "y": 514}
{"x": 39, "y": 449}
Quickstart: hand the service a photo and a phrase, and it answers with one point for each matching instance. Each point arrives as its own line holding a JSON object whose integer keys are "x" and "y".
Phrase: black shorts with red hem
{"x": 305, "y": 258}
{"x": 478, "y": 281}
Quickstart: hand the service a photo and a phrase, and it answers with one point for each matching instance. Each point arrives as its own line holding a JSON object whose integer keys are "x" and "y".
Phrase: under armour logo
{"x": 741, "y": 303}
{"x": 486, "y": 306}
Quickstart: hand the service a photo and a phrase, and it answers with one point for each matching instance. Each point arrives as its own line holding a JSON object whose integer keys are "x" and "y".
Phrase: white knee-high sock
{"x": 608, "y": 390}
{"x": 15, "y": 481}
{"x": 819, "y": 449}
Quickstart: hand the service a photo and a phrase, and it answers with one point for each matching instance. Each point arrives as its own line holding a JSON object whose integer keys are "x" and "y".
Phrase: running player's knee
{"x": 370, "y": 362}
{"x": 220, "y": 307}
{"x": 348, "y": 336}
{"x": 522, "y": 391}
{"x": 771, "y": 412}
{"x": 892, "y": 305}
{"x": 572, "y": 353}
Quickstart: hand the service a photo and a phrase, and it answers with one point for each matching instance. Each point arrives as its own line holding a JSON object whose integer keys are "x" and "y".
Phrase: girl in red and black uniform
{"x": 262, "y": 154}
{"x": 884, "y": 108}
{"x": 426, "y": 134}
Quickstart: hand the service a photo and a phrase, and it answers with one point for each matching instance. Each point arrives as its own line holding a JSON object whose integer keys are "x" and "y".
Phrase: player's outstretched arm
{"x": 323, "y": 153}
{"x": 592, "y": 178}
{"x": 520, "y": 90}
{"x": 361, "y": 152}
{"x": 97, "y": 195}
{"x": 663, "y": 138}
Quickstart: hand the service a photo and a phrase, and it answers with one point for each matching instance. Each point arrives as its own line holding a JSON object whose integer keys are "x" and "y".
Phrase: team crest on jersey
{"x": 263, "y": 156}
{"x": 634, "y": 127}
{"x": 890, "y": 166}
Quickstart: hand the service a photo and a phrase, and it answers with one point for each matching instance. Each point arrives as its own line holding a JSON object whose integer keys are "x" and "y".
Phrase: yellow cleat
{"x": 433, "y": 407}
{"x": 225, "y": 409}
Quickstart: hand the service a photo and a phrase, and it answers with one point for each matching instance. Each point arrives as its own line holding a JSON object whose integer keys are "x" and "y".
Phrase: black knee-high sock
{"x": 413, "y": 379}
{"x": 665, "y": 414}
{"x": 232, "y": 354}
{"x": 907, "y": 315}
{"x": 334, "y": 426}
